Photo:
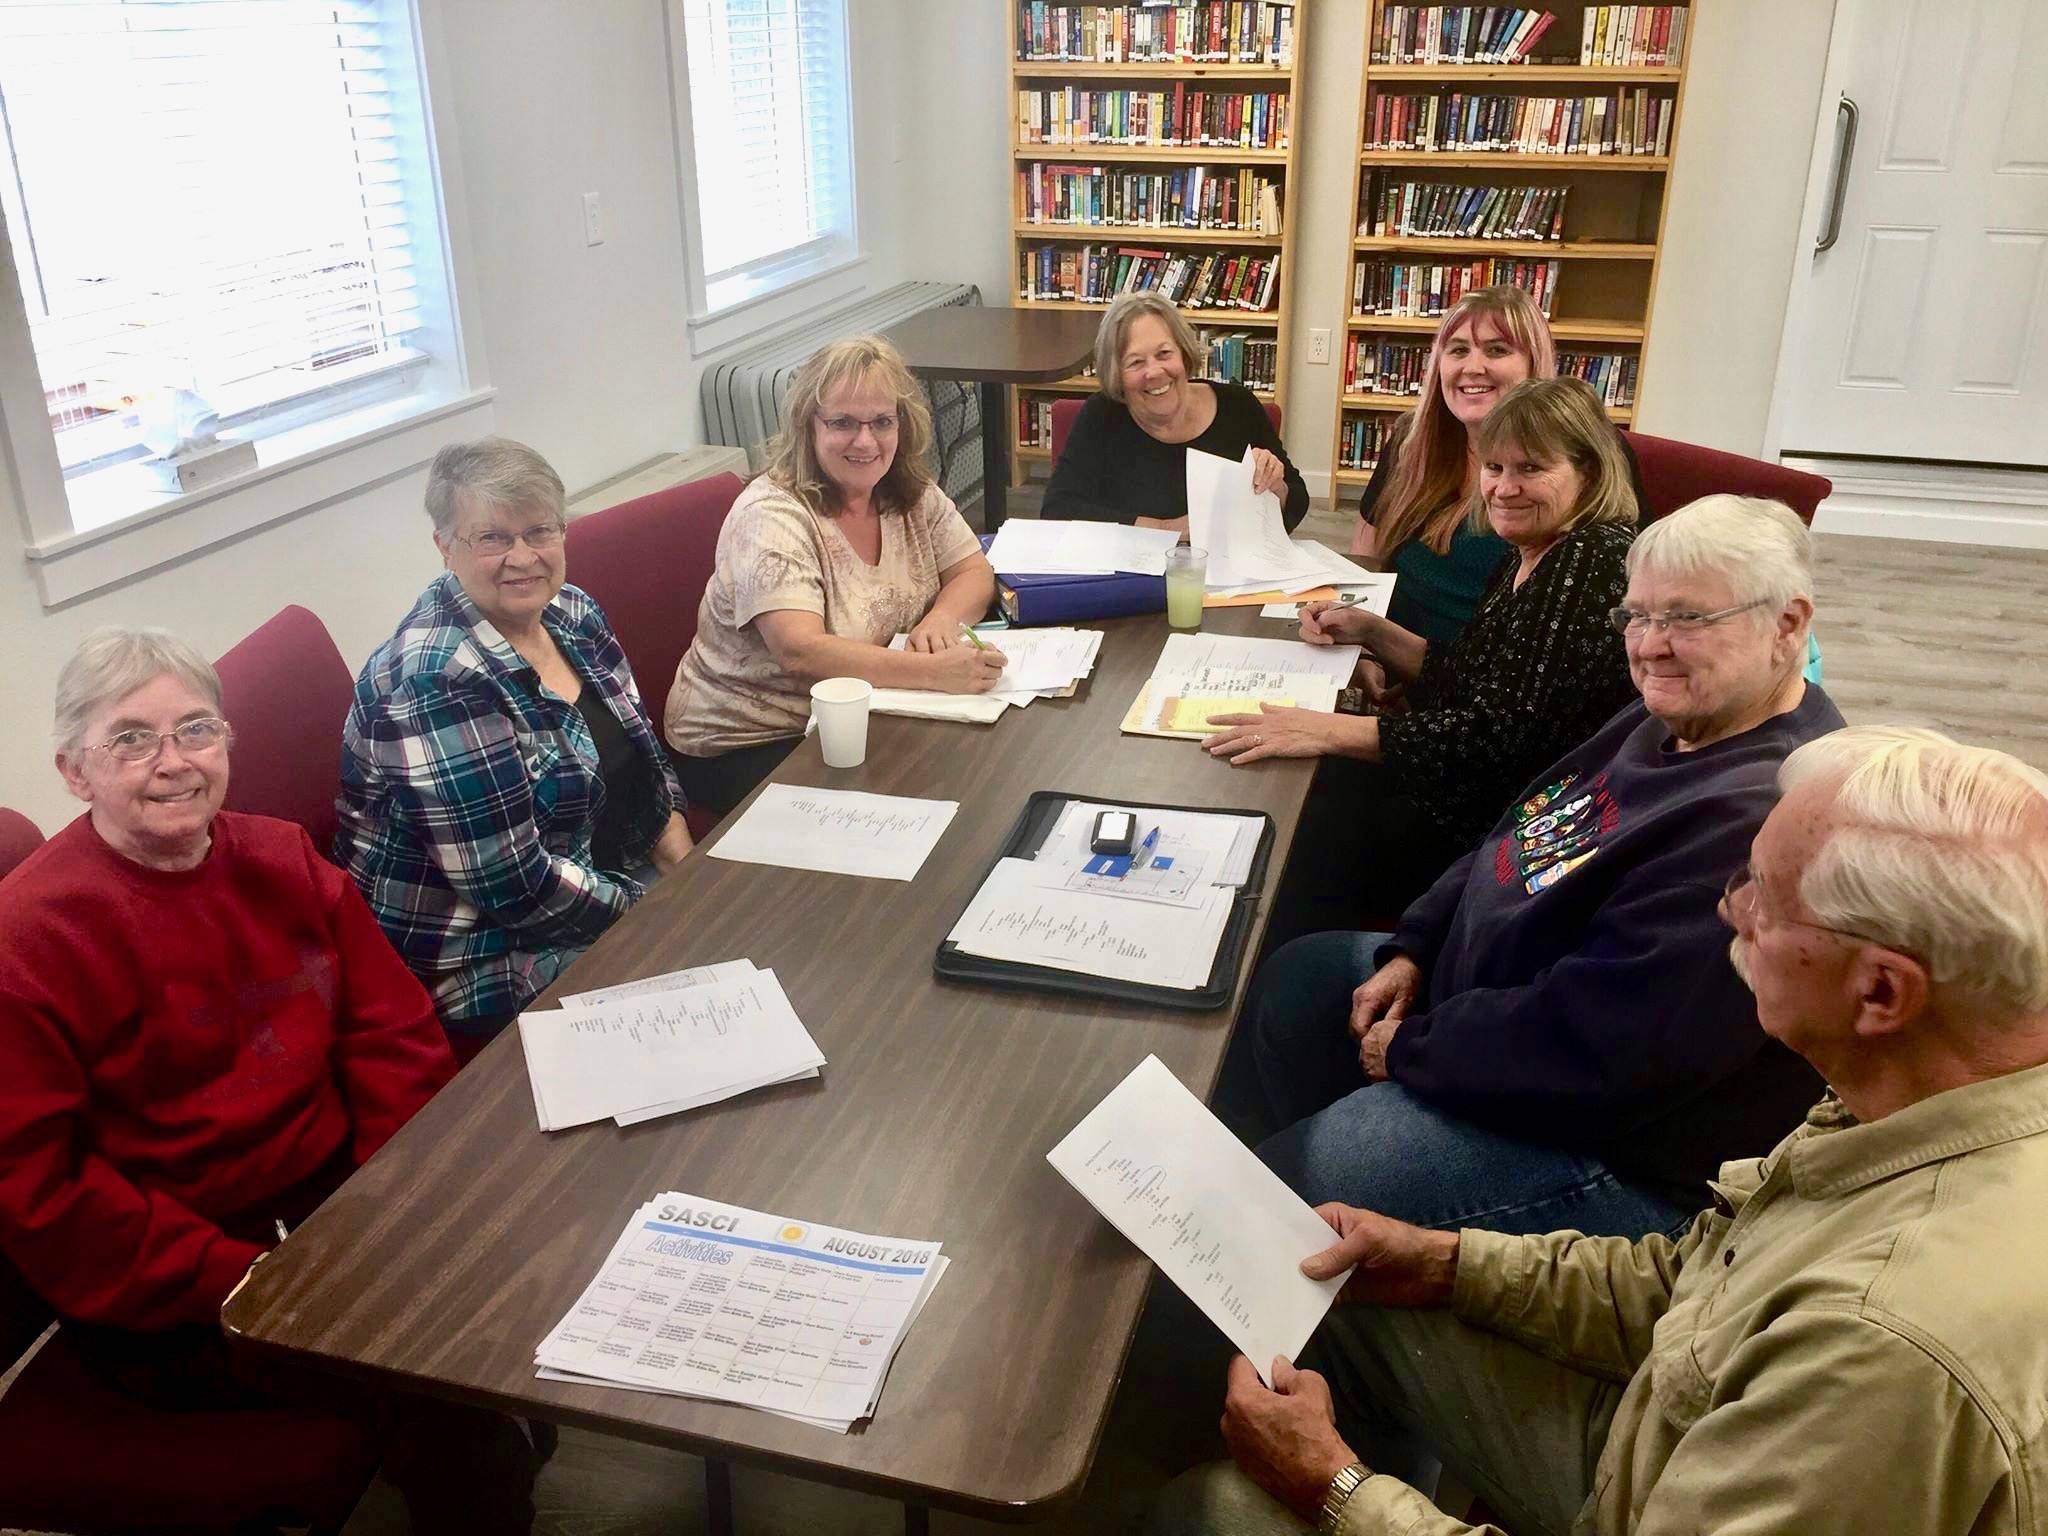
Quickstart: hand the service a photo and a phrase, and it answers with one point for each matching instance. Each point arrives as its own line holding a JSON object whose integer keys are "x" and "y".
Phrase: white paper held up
{"x": 1199, "y": 1204}
{"x": 1241, "y": 529}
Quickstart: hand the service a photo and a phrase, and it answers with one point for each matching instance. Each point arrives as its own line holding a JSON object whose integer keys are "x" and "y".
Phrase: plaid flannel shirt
{"x": 469, "y": 793}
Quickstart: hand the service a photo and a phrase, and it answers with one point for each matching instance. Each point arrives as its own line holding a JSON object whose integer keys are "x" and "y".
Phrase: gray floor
{"x": 1945, "y": 635}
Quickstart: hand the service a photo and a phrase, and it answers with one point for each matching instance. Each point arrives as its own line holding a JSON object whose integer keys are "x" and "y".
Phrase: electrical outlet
{"x": 593, "y": 219}
{"x": 1319, "y": 344}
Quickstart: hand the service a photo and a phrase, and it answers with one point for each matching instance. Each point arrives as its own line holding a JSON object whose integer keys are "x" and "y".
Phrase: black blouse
{"x": 1114, "y": 471}
{"x": 624, "y": 778}
{"x": 1537, "y": 671}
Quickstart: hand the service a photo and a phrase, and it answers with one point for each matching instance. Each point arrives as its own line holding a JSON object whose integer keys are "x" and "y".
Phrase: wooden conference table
{"x": 442, "y": 1264}
{"x": 995, "y": 347}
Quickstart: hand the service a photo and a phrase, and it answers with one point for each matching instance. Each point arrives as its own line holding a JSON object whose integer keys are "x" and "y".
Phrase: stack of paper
{"x": 1036, "y": 547}
{"x": 1373, "y": 594}
{"x": 1038, "y": 664}
{"x": 1031, "y": 913}
{"x": 1205, "y": 847}
{"x": 1201, "y": 675}
{"x": 836, "y": 831}
{"x": 664, "y": 1045}
{"x": 1200, "y": 1205}
{"x": 702, "y": 1299}
{"x": 1323, "y": 571}
{"x": 1243, "y": 532}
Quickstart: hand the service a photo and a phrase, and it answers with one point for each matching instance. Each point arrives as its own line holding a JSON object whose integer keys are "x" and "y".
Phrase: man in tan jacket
{"x": 1853, "y": 1339}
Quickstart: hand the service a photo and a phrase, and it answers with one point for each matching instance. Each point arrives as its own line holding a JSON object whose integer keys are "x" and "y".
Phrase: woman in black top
{"x": 1126, "y": 459}
{"x": 1537, "y": 671}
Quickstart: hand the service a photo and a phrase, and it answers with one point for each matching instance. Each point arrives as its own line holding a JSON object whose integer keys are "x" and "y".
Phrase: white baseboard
{"x": 1952, "y": 504}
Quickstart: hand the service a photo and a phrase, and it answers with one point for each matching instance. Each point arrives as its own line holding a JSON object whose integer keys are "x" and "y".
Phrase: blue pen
{"x": 1143, "y": 856}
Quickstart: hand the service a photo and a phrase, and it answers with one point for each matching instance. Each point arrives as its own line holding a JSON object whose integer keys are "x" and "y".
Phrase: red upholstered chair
{"x": 83, "y": 1458}
{"x": 19, "y": 837}
{"x": 1675, "y": 474}
{"x": 647, "y": 562}
{"x": 286, "y": 691}
{"x": 1066, "y": 408}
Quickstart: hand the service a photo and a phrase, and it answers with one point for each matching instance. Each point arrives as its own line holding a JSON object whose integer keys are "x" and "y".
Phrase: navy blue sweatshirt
{"x": 1577, "y": 989}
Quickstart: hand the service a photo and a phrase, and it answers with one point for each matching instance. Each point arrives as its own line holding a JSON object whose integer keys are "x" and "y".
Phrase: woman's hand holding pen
{"x": 972, "y": 667}
{"x": 1327, "y": 623}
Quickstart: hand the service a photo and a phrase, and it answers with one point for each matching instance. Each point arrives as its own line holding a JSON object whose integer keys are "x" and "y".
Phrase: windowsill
{"x": 783, "y": 297}
{"x": 298, "y": 469}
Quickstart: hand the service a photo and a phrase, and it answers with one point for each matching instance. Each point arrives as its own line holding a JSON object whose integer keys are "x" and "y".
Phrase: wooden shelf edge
{"x": 1176, "y": 154}
{"x": 1596, "y": 250}
{"x": 1589, "y": 74}
{"x": 1139, "y": 233}
{"x": 1149, "y": 69}
{"x": 1079, "y": 385}
{"x": 1563, "y": 330}
{"x": 1523, "y": 160}
{"x": 1192, "y": 316}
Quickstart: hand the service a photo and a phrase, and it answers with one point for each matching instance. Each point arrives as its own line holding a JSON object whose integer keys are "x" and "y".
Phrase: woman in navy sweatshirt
{"x": 1553, "y": 1035}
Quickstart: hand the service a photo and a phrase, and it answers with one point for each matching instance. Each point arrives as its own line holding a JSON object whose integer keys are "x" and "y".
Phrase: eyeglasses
{"x": 1743, "y": 898}
{"x": 1633, "y": 621}
{"x": 496, "y": 541}
{"x": 849, "y": 426}
{"x": 140, "y": 746}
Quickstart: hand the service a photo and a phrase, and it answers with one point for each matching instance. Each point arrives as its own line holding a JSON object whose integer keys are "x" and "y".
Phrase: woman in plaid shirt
{"x": 503, "y": 794}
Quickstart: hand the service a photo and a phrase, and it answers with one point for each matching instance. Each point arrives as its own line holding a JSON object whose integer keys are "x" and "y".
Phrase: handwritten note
{"x": 837, "y": 831}
{"x": 1199, "y": 1204}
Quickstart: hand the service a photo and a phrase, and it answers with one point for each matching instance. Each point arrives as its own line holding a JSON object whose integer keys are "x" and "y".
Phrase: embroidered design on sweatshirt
{"x": 1555, "y": 832}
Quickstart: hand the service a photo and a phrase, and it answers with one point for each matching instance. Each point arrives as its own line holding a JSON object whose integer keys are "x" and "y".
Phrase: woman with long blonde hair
{"x": 1413, "y": 514}
{"x": 842, "y": 543}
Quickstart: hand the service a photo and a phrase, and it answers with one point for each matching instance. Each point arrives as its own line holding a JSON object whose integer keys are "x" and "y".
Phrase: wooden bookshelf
{"x": 1249, "y": 243}
{"x": 1613, "y": 230}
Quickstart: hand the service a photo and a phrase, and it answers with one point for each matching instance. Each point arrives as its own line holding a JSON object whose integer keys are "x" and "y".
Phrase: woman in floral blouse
{"x": 1536, "y": 672}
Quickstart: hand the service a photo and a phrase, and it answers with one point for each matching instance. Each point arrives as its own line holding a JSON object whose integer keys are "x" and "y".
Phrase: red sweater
{"x": 176, "y": 1049}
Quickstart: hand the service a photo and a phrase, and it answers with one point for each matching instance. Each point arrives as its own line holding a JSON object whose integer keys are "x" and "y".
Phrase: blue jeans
{"x": 1378, "y": 1146}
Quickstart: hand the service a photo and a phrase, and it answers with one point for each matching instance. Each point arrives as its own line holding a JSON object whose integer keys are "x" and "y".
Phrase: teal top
{"x": 1436, "y": 593}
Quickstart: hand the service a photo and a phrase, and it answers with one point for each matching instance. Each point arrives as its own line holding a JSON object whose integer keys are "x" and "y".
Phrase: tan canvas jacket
{"x": 1854, "y": 1339}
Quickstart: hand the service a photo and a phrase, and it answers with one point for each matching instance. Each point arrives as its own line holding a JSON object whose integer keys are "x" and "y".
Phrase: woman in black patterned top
{"x": 1536, "y": 672}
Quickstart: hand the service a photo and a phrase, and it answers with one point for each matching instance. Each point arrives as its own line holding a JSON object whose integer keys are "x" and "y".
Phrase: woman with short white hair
{"x": 1553, "y": 1036}
{"x": 504, "y": 796}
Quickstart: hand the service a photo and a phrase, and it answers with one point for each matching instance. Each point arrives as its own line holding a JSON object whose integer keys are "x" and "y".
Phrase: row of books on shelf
{"x": 1633, "y": 36}
{"x": 1236, "y": 358}
{"x": 1177, "y": 116}
{"x": 1360, "y": 439}
{"x": 1457, "y": 34}
{"x": 1243, "y": 201}
{"x": 1095, "y": 274}
{"x": 1385, "y": 365}
{"x": 1187, "y": 31}
{"x": 1635, "y": 121}
{"x": 1384, "y": 287}
{"x": 1453, "y": 210}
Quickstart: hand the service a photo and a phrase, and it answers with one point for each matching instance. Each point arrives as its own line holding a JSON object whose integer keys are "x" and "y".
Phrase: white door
{"x": 1923, "y": 331}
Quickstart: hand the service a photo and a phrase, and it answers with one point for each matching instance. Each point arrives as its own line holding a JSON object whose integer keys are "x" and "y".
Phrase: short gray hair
{"x": 1759, "y": 545}
{"x": 1124, "y": 311}
{"x": 1938, "y": 850}
{"x": 112, "y": 663}
{"x": 495, "y": 472}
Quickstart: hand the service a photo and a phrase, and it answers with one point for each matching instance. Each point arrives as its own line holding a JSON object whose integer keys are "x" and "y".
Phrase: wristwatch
{"x": 1337, "y": 1495}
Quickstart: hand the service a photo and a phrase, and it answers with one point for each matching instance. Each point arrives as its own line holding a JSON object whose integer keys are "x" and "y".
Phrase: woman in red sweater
{"x": 203, "y": 1031}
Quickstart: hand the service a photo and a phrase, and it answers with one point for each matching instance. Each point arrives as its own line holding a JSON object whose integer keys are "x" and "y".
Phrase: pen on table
{"x": 1143, "y": 856}
{"x": 283, "y": 1232}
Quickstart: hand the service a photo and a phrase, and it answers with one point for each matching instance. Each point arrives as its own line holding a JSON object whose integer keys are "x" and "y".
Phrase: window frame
{"x": 795, "y": 281}
{"x": 387, "y": 421}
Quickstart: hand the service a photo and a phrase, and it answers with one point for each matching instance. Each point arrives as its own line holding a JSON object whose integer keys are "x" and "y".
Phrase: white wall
{"x": 585, "y": 345}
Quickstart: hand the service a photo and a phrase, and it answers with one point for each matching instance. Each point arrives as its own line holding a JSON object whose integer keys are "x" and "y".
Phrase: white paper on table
{"x": 1250, "y": 688}
{"x": 711, "y": 1300}
{"x": 1372, "y": 594}
{"x": 1039, "y": 546}
{"x": 1199, "y": 1204}
{"x": 836, "y": 831}
{"x": 688, "y": 1047}
{"x": 838, "y": 1426}
{"x": 1036, "y": 662}
{"x": 1221, "y": 844}
{"x": 1242, "y": 530}
{"x": 1019, "y": 915}
{"x": 1186, "y": 653}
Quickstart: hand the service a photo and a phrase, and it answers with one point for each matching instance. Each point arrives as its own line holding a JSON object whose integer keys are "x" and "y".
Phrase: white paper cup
{"x": 840, "y": 706}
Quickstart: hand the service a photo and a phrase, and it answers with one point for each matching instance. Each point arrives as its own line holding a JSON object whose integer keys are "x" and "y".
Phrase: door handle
{"x": 1845, "y": 150}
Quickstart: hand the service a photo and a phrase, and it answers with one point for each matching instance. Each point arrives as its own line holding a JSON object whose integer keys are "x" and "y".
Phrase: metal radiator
{"x": 743, "y": 394}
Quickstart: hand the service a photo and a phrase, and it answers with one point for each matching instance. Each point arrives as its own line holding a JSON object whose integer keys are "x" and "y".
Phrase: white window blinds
{"x": 204, "y": 195}
{"x": 770, "y": 126}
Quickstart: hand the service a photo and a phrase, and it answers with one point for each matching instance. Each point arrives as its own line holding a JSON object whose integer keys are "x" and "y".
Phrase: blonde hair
{"x": 1126, "y": 310}
{"x": 1558, "y": 419}
{"x": 1425, "y": 495}
{"x": 857, "y": 361}
{"x": 1938, "y": 850}
{"x": 112, "y": 663}
{"x": 1758, "y": 544}
{"x": 496, "y": 472}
